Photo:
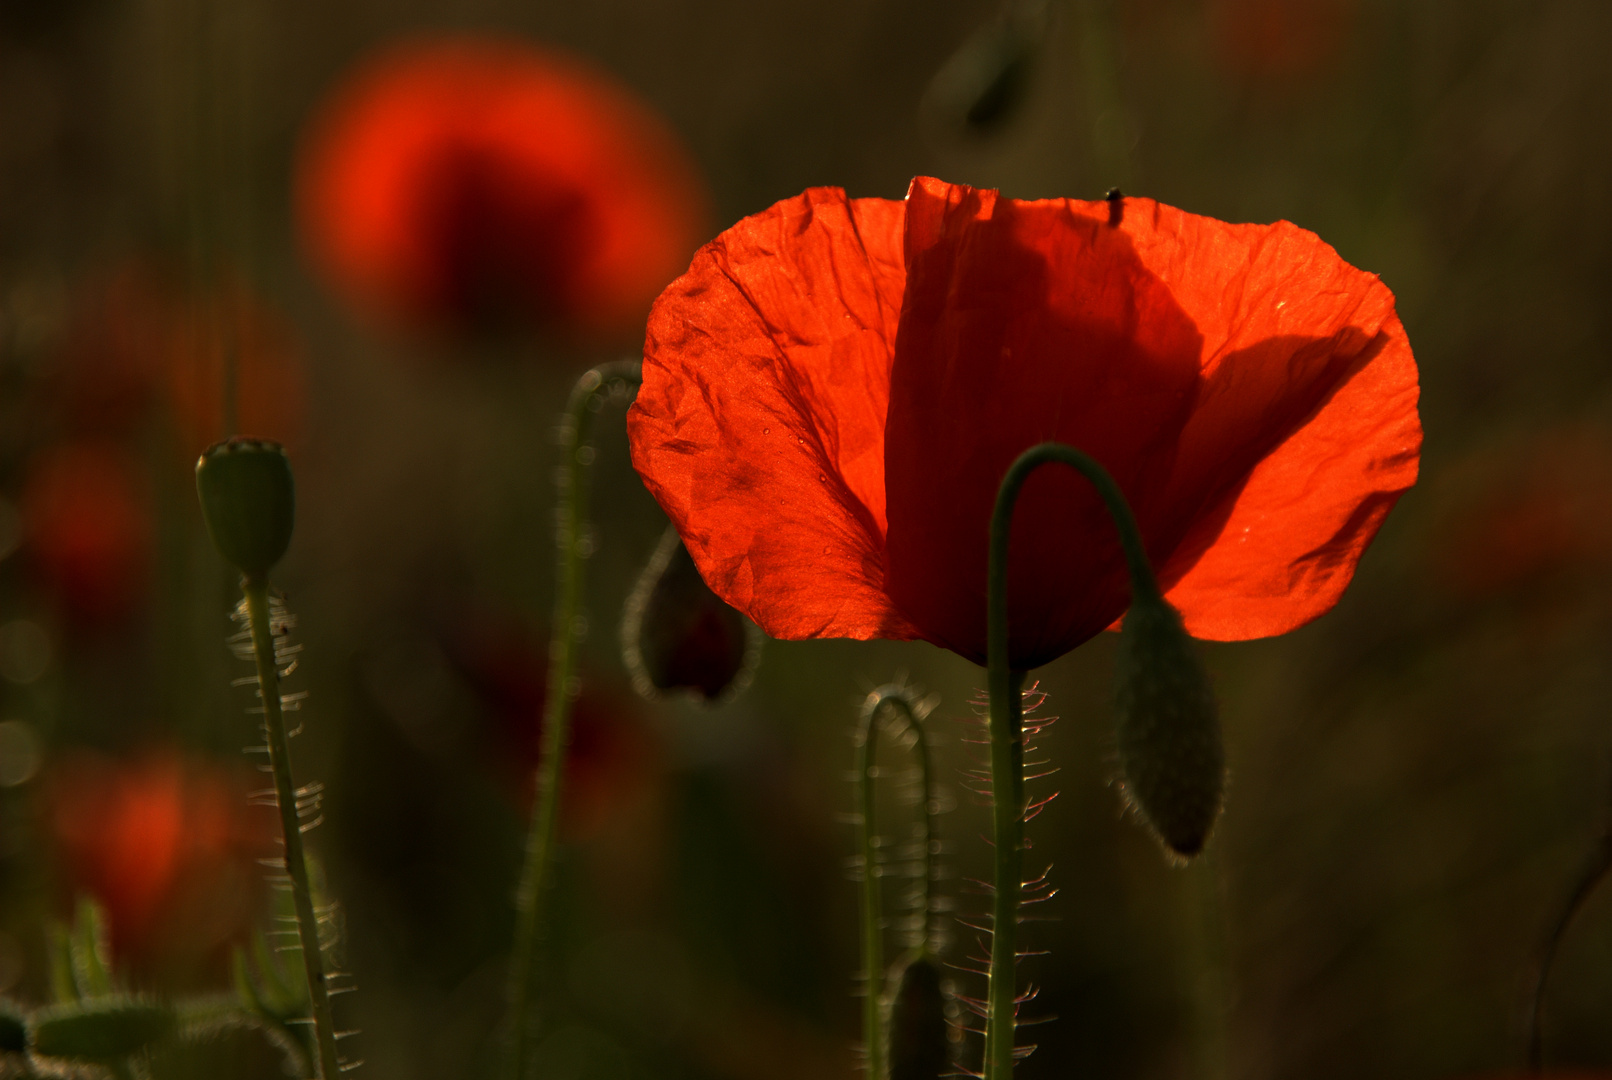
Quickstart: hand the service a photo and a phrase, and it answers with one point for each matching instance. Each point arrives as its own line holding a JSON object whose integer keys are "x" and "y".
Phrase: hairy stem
{"x": 285, "y": 797}
{"x": 875, "y": 1037}
{"x": 587, "y": 397}
{"x": 1005, "y": 685}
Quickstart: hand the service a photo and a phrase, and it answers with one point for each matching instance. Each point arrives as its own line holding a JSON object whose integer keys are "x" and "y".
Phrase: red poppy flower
{"x": 458, "y": 183}
{"x": 166, "y": 844}
{"x": 87, "y": 519}
{"x": 834, "y": 390}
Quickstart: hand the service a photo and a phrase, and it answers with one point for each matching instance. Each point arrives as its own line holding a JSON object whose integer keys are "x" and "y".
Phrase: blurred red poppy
{"x": 167, "y": 844}
{"x": 138, "y": 339}
{"x": 230, "y": 326}
{"x": 834, "y": 390}
{"x": 1279, "y": 39}
{"x": 473, "y": 183}
{"x": 88, "y": 527}
{"x": 613, "y": 757}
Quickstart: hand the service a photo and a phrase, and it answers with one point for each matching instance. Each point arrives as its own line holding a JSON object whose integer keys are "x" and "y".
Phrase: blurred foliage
{"x": 1413, "y": 779}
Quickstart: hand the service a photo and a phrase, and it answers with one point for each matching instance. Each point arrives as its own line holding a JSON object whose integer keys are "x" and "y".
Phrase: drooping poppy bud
{"x": 1169, "y": 729}
{"x": 677, "y": 634}
{"x": 919, "y": 1033}
{"x": 980, "y": 89}
{"x": 248, "y": 500}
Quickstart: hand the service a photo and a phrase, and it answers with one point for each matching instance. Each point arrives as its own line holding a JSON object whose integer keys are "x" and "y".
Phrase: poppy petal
{"x": 1304, "y": 432}
{"x": 760, "y": 423}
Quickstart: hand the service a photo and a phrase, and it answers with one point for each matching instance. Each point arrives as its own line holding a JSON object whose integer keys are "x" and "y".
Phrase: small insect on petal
{"x": 248, "y": 501}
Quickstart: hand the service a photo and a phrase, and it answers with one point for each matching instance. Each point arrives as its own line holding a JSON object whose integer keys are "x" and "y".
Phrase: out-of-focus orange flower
{"x": 88, "y": 527}
{"x": 613, "y": 756}
{"x": 138, "y": 339}
{"x": 1279, "y": 39}
{"x": 230, "y": 326}
{"x": 167, "y": 844}
{"x": 1539, "y": 521}
{"x": 474, "y": 183}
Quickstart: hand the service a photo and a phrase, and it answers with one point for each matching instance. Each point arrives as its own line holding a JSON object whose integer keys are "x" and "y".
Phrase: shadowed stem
{"x": 255, "y": 589}
{"x": 1594, "y": 868}
{"x": 1006, "y": 685}
{"x": 874, "y": 1036}
{"x": 587, "y": 397}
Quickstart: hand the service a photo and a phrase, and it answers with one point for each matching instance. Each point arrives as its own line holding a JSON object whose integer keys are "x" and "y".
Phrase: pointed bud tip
{"x": 248, "y": 501}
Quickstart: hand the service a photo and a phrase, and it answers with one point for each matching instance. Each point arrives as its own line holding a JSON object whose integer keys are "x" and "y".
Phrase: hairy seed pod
{"x": 677, "y": 634}
{"x": 248, "y": 501}
{"x": 101, "y": 1030}
{"x": 920, "y": 1047}
{"x": 1169, "y": 729}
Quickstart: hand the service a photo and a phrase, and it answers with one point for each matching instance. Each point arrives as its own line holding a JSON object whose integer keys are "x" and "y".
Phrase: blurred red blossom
{"x": 167, "y": 844}
{"x": 613, "y": 759}
{"x": 138, "y": 340}
{"x": 87, "y": 524}
{"x": 474, "y": 183}
{"x": 1279, "y": 39}
{"x": 1535, "y": 519}
{"x": 834, "y": 390}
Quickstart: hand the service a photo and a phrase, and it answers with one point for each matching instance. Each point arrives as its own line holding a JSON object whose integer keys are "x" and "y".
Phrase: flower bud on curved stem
{"x": 1169, "y": 733}
{"x": 676, "y": 634}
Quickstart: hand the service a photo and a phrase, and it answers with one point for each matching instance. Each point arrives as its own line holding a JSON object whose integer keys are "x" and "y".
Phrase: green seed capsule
{"x": 1169, "y": 729}
{"x": 248, "y": 501}
{"x": 102, "y": 1030}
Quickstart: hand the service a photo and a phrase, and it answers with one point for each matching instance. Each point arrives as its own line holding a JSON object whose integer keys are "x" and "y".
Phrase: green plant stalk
{"x": 1005, "y": 686}
{"x": 873, "y": 1033}
{"x": 572, "y": 515}
{"x": 285, "y": 797}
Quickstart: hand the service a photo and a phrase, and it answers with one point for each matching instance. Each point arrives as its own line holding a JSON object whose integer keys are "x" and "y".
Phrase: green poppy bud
{"x": 248, "y": 501}
{"x": 678, "y": 634}
{"x": 101, "y": 1030}
{"x": 1169, "y": 729}
{"x": 920, "y": 1038}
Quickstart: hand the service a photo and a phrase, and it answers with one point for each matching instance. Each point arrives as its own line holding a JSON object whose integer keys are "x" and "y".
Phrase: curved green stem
{"x": 587, "y": 397}
{"x": 285, "y": 797}
{"x": 875, "y": 1037}
{"x": 1005, "y": 685}
{"x": 1594, "y": 868}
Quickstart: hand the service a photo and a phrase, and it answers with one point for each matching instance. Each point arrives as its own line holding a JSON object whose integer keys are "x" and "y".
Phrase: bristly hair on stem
{"x": 574, "y": 544}
{"x": 265, "y": 640}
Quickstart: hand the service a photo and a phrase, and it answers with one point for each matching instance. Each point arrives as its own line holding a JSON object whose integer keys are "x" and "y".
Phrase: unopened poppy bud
{"x": 980, "y": 89}
{"x": 677, "y": 634}
{"x": 1169, "y": 731}
{"x": 920, "y": 1047}
{"x": 248, "y": 501}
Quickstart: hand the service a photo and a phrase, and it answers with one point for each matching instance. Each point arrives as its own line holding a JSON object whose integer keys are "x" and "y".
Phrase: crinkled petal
{"x": 760, "y": 423}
